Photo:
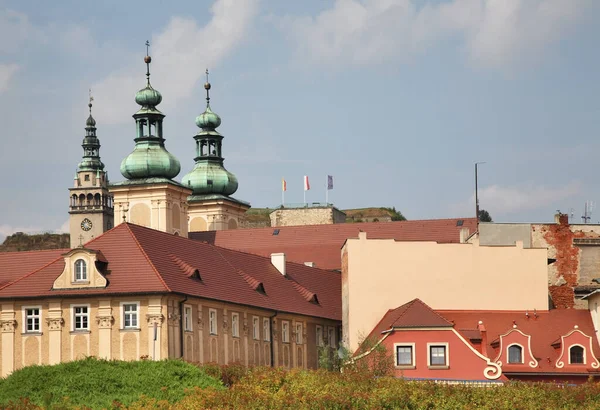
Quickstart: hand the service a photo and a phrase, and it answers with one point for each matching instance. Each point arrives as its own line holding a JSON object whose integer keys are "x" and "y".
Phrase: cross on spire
{"x": 91, "y": 99}
{"x": 207, "y": 88}
{"x": 147, "y": 60}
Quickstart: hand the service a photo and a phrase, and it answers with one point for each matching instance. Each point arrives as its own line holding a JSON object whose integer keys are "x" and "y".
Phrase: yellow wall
{"x": 378, "y": 275}
{"x": 58, "y": 342}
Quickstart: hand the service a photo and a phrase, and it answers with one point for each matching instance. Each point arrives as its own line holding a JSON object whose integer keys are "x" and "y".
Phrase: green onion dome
{"x": 148, "y": 97}
{"x": 150, "y": 159}
{"x": 210, "y": 178}
{"x": 208, "y": 120}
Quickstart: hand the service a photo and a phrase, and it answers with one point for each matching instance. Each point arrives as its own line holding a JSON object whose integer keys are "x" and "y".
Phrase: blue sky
{"x": 395, "y": 98}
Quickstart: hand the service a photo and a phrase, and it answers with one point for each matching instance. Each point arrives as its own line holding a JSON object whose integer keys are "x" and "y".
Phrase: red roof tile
{"x": 321, "y": 244}
{"x": 142, "y": 260}
{"x": 14, "y": 265}
{"x": 544, "y": 330}
{"x": 412, "y": 314}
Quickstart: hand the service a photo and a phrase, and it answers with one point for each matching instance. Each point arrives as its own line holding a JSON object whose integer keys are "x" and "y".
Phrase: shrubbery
{"x": 163, "y": 386}
{"x": 101, "y": 384}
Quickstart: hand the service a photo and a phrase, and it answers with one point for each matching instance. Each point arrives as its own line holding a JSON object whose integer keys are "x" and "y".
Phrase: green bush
{"x": 101, "y": 384}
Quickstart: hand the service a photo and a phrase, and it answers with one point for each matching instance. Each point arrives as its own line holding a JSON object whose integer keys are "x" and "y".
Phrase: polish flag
{"x": 306, "y": 184}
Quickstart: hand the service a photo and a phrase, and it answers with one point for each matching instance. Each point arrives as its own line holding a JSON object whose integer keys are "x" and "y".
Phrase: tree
{"x": 484, "y": 216}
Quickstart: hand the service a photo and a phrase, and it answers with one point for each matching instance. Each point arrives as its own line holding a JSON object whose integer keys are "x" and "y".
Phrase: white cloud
{"x": 502, "y": 200}
{"x": 495, "y": 32}
{"x": 15, "y": 30}
{"x": 6, "y": 73}
{"x": 180, "y": 53}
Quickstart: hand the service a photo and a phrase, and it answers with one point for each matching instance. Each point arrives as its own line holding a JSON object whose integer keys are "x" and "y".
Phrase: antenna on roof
{"x": 587, "y": 211}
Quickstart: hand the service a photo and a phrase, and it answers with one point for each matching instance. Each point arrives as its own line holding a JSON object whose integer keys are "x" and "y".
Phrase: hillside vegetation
{"x": 23, "y": 242}
{"x": 168, "y": 385}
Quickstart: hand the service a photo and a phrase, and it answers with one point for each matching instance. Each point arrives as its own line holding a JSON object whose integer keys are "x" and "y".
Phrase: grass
{"x": 96, "y": 383}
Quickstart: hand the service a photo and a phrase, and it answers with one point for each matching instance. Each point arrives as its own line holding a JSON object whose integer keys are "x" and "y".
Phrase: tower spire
{"x": 148, "y": 60}
{"x": 207, "y": 88}
{"x": 90, "y": 101}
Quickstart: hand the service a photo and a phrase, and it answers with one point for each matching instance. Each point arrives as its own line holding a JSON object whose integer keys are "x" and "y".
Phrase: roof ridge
{"x": 436, "y": 313}
{"x": 32, "y": 251}
{"x": 147, "y": 257}
{"x": 30, "y": 273}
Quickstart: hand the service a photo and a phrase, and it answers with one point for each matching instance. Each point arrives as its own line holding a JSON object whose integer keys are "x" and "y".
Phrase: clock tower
{"x": 91, "y": 204}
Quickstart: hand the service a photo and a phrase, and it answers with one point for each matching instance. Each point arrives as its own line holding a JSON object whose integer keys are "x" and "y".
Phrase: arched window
{"x": 80, "y": 270}
{"x": 576, "y": 355}
{"x": 515, "y": 354}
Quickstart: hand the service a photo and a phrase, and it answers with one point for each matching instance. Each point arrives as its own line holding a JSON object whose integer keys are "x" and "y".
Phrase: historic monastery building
{"x": 158, "y": 269}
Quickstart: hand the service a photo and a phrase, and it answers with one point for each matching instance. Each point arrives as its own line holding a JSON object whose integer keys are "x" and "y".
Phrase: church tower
{"x": 149, "y": 196}
{"x": 91, "y": 206}
{"x": 211, "y": 207}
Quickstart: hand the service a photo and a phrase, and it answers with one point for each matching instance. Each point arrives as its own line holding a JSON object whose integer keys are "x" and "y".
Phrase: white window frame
{"x": 26, "y": 317}
{"x": 188, "y": 318}
{"x": 255, "y": 328}
{"x": 412, "y": 365}
{"x": 331, "y": 336}
{"x": 84, "y": 276}
{"x": 88, "y": 314}
{"x": 212, "y": 321}
{"x": 135, "y": 314}
{"x": 319, "y": 340}
{"x": 285, "y": 331}
{"x": 508, "y": 353}
{"x": 235, "y": 325}
{"x": 298, "y": 333}
{"x": 446, "y": 355}
{"x": 584, "y": 353}
{"x": 266, "y": 329}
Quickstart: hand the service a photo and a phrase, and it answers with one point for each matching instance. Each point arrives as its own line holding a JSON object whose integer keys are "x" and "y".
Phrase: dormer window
{"x": 515, "y": 354}
{"x": 576, "y": 355}
{"x": 80, "y": 271}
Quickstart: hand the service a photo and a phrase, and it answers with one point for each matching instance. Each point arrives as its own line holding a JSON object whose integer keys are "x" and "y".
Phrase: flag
{"x": 306, "y": 184}
{"x": 283, "y": 185}
{"x": 329, "y": 182}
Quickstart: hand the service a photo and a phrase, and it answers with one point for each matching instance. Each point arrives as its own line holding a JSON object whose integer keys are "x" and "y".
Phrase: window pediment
{"x": 82, "y": 270}
{"x": 515, "y": 349}
{"x": 576, "y": 350}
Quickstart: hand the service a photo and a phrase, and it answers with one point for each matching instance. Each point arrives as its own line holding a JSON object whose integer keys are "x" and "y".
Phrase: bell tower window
{"x": 80, "y": 271}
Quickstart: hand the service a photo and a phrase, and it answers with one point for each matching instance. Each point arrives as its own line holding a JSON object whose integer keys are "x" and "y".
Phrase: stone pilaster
{"x": 105, "y": 321}
{"x": 8, "y": 324}
{"x": 226, "y": 336}
{"x": 155, "y": 319}
{"x": 201, "y": 333}
{"x": 245, "y": 333}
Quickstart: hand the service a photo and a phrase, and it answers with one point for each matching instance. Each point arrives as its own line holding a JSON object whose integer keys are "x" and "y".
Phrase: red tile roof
{"x": 545, "y": 329}
{"x": 412, "y": 314}
{"x": 321, "y": 244}
{"x": 142, "y": 260}
{"x": 14, "y": 265}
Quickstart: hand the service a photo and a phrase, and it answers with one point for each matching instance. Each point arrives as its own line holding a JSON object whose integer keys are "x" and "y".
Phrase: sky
{"x": 396, "y": 99}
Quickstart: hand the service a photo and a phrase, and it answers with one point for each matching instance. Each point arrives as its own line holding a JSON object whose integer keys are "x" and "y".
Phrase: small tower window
{"x": 80, "y": 270}
{"x": 87, "y": 177}
{"x": 515, "y": 354}
{"x": 576, "y": 355}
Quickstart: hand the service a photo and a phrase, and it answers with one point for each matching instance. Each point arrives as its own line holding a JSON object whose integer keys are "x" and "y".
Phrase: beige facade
{"x": 161, "y": 206}
{"x": 380, "y": 274}
{"x": 307, "y": 216}
{"x": 131, "y": 327}
{"x": 216, "y": 214}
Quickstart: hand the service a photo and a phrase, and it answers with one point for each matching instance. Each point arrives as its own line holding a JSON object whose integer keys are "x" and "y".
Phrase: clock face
{"x": 86, "y": 224}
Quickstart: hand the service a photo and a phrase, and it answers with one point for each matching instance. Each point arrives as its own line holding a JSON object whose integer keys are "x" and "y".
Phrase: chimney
{"x": 362, "y": 235}
{"x": 561, "y": 219}
{"x": 278, "y": 260}
{"x": 464, "y": 234}
{"x": 310, "y": 264}
{"x": 483, "y": 332}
